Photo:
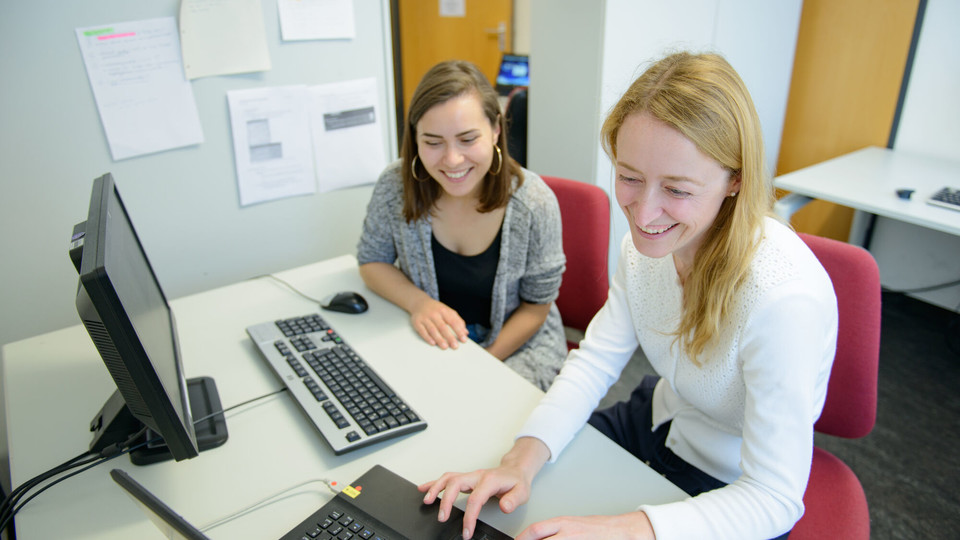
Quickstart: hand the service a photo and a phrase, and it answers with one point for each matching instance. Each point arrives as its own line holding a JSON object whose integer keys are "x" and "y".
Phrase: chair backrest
{"x": 585, "y": 212}
{"x": 850, "y": 410}
{"x": 516, "y": 115}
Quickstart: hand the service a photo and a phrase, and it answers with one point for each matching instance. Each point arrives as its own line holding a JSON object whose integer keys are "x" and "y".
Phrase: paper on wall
{"x": 222, "y": 37}
{"x": 347, "y": 134}
{"x": 145, "y": 103}
{"x": 271, "y": 142}
{"x": 316, "y": 19}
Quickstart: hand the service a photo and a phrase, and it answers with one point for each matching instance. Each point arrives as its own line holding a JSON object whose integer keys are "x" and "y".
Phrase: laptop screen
{"x": 379, "y": 500}
{"x": 514, "y": 72}
{"x": 170, "y": 523}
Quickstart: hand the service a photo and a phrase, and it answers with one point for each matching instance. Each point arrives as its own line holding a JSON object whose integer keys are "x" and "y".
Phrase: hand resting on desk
{"x": 512, "y": 482}
{"x": 437, "y": 323}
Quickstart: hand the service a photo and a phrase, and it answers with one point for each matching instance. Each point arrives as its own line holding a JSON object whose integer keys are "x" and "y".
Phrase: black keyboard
{"x": 336, "y": 523}
{"x": 946, "y": 198}
{"x": 380, "y": 505}
{"x": 340, "y": 393}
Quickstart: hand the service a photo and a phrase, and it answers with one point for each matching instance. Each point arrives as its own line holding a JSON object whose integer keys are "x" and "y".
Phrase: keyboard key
{"x": 946, "y": 198}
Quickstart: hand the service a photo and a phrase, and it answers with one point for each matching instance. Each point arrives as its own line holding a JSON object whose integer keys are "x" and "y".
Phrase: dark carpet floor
{"x": 909, "y": 464}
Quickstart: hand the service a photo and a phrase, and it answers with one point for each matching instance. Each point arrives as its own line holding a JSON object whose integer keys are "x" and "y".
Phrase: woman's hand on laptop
{"x": 511, "y": 482}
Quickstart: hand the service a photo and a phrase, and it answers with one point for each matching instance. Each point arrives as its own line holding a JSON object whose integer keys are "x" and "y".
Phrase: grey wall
{"x": 184, "y": 202}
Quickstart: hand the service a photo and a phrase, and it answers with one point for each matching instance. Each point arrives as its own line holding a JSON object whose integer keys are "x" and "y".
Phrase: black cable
{"x": 241, "y": 404}
{"x": 11, "y": 503}
{"x": 15, "y": 494}
{"x": 10, "y": 532}
{"x": 924, "y": 289}
{"x": 289, "y": 286}
{"x": 90, "y": 464}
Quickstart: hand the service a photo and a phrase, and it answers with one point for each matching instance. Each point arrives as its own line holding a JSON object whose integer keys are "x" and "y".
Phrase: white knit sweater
{"x": 746, "y": 415}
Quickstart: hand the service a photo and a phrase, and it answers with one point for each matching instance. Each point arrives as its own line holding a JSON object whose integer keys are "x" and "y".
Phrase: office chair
{"x": 516, "y": 116}
{"x": 585, "y": 213}
{"x": 836, "y": 506}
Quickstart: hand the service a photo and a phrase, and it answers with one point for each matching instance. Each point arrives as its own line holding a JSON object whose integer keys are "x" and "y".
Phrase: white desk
{"x": 867, "y": 181}
{"x": 54, "y": 384}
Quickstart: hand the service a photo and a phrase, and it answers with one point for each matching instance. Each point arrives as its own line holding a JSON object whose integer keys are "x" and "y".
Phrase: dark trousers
{"x": 629, "y": 424}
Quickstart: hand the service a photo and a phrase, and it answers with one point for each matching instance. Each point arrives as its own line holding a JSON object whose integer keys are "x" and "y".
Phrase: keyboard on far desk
{"x": 946, "y": 198}
{"x": 346, "y": 400}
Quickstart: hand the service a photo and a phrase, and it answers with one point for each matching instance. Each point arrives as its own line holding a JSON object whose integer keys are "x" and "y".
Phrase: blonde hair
{"x": 703, "y": 97}
{"x": 445, "y": 81}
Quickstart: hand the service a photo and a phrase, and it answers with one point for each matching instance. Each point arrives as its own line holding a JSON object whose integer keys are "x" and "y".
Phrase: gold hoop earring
{"x": 499, "y": 161}
{"x": 413, "y": 169}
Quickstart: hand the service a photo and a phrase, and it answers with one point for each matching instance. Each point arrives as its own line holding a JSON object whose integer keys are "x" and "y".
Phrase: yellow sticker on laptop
{"x": 351, "y": 492}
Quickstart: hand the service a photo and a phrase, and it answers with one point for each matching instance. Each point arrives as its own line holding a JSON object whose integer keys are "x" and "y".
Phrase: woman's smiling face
{"x": 455, "y": 143}
{"x": 669, "y": 190}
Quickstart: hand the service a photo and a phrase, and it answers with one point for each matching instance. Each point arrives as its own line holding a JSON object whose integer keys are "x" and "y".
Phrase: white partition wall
{"x": 912, "y": 257}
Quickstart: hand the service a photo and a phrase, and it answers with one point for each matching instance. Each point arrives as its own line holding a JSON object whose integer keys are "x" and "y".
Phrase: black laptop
{"x": 380, "y": 505}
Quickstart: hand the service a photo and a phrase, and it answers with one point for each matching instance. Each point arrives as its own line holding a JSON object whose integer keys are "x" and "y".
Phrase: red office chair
{"x": 836, "y": 506}
{"x": 585, "y": 212}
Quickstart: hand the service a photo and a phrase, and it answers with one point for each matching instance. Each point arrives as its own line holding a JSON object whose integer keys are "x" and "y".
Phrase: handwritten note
{"x": 145, "y": 103}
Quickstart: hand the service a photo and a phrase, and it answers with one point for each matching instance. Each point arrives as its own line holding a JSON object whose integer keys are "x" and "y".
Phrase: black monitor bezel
{"x": 116, "y": 339}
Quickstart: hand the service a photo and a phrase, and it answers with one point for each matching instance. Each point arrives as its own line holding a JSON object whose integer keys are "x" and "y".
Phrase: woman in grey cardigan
{"x": 463, "y": 238}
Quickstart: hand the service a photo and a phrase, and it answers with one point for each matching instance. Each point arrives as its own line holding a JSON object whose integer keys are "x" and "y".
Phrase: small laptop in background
{"x": 514, "y": 72}
{"x": 380, "y": 505}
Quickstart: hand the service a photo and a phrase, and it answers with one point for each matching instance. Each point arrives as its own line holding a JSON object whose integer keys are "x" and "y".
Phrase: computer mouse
{"x": 904, "y": 193}
{"x": 345, "y": 302}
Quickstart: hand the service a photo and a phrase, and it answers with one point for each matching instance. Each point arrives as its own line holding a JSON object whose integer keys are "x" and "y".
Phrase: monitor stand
{"x": 114, "y": 424}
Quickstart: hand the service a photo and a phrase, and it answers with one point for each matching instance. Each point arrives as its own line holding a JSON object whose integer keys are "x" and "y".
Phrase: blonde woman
{"x": 732, "y": 310}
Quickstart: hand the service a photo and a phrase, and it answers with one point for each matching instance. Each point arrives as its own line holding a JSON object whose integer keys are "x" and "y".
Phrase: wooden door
{"x": 847, "y": 75}
{"x": 481, "y": 36}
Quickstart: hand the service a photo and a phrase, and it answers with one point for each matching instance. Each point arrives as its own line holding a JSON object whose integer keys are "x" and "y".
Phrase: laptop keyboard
{"x": 340, "y": 524}
{"x": 381, "y": 505}
{"x": 346, "y": 400}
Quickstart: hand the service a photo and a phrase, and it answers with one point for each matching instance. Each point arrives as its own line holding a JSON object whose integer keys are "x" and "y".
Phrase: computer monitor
{"x": 132, "y": 326}
{"x": 514, "y": 72}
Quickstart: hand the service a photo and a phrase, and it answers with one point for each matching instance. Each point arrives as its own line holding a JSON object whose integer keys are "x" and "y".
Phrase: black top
{"x": 466, "y": 282}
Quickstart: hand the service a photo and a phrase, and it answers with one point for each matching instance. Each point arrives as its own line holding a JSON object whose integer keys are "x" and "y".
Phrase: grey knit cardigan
{"x": 530, "y": 267}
